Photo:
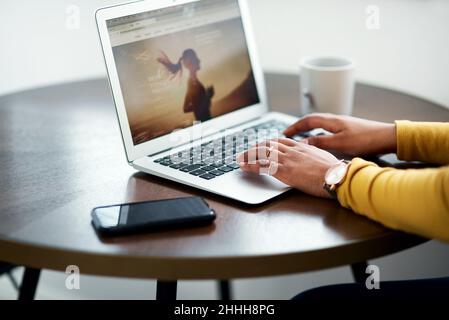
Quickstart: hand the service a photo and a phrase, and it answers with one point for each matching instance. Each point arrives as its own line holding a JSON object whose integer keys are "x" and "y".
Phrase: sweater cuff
{"x": 404, "y": 131}
{"x": 343, "y": 190}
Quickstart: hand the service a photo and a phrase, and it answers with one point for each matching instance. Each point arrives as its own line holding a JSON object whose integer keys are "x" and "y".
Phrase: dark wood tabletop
{"x": 61, "y": 155}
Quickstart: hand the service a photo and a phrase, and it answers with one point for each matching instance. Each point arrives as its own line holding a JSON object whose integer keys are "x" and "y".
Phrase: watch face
{"x": 336, "y": 174}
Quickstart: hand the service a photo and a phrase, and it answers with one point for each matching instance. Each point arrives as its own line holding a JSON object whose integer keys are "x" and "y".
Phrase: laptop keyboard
{"x": 218, "y": 157}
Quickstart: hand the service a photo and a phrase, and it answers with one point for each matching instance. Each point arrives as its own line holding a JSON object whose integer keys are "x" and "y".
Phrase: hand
{"x": 297, "y": 164}
{"x": 353, "y": 136}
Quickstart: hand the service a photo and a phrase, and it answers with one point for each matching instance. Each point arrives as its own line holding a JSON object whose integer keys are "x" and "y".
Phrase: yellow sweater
{"x": 412, "y": 200}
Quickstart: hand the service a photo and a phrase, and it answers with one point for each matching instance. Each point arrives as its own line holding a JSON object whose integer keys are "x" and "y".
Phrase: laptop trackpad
{"x": 259, "y": 181}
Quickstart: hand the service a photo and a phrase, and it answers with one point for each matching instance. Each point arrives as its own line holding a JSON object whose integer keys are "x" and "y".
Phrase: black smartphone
{"x": 152, "y": 216}
{"x": 391, "y": 160}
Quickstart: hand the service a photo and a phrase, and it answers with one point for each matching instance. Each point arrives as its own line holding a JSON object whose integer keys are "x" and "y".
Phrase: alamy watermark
{"x": 373, "y": 280}
{"x": 72, "y": 281}
{"x": 73, "y": 17}
{"x": 255, "y": 143}
{"x": 372, "y": 21}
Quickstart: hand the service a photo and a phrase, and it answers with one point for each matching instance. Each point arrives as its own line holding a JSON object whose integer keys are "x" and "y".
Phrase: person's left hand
{"x": 297, "y": 164}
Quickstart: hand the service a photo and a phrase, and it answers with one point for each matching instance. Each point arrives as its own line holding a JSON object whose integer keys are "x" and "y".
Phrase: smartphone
{"x": 391, "y": 160}
{"x": 152, "y": 216}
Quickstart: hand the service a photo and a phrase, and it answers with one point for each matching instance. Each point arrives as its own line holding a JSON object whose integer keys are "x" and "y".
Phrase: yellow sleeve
{"x": 415, "y": 201}
{"x": 424, "y": 141}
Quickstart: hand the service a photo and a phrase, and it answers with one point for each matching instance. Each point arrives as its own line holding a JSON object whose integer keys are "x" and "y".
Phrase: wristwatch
{"x": 335, "y": 176}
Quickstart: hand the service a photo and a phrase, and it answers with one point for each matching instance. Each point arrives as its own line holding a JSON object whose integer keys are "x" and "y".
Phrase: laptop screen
{"x": 181, "y": 64}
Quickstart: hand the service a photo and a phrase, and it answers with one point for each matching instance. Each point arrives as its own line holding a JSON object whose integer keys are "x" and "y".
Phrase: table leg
{"x": 166, "y": 290}
{"x": 28, "y": 287}
{"x": 225, "y": 290}
{"x": 6, "y": 267}
{"x": 359, "y": 271}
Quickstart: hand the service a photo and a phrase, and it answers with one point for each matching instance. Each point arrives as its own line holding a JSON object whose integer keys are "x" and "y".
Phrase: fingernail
{"x": 242, "y": 164}
{"x": 264, "y": 162}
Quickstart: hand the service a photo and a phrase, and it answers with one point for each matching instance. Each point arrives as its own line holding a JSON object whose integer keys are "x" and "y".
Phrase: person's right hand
{"x": 352, "y": 136}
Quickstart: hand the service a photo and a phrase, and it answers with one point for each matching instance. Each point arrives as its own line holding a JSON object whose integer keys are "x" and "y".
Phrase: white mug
{"x": 327, "y": 85}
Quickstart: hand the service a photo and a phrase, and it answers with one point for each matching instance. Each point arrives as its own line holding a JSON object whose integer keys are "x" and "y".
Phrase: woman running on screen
{"x": 198, "y": 98}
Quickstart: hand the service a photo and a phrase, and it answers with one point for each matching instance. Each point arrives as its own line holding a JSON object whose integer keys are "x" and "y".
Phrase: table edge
{"x": 156, "y": 267}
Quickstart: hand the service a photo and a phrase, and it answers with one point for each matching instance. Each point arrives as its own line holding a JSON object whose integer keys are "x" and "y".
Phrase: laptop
{"x": 189, "y": 93}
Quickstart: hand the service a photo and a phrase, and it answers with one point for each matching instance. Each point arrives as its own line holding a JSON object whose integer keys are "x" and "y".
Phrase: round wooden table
{"x": 61, "y": 155}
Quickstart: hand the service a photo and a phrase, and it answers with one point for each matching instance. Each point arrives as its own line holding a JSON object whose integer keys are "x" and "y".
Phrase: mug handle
{"x": 309, "y": 97}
